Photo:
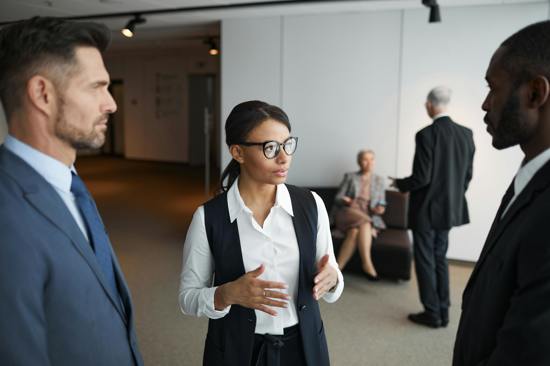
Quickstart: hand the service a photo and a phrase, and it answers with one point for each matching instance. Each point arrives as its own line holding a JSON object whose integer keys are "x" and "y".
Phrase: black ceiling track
{"x": 199, "y": 9}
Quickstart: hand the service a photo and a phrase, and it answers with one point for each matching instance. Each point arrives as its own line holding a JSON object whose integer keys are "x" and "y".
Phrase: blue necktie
{"x": 96, "y": 231}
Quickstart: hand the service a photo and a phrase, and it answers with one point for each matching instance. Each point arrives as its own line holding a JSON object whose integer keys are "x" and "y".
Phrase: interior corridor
{"x": 147, "y": 207}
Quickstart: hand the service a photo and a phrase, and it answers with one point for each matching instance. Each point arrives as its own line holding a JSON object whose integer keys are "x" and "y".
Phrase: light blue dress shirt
{"x": 53, "y": 171}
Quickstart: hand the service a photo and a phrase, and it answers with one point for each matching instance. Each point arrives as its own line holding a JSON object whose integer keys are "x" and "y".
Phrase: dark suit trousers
{"x": 432, "y": 270}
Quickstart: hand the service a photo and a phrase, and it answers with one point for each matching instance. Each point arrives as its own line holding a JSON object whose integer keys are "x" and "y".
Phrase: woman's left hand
{"x": 326, "y": 278}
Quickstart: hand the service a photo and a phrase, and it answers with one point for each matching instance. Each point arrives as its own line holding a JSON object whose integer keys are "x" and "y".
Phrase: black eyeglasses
{"x": 272, "y": 148}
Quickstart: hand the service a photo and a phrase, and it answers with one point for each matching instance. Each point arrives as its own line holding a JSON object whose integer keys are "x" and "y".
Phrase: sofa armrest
{"x": 397, "y": 210}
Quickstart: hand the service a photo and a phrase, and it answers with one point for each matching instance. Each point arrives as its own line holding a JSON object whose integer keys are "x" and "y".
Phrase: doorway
{"x": 114, "y": 137}
{"x": 203, "y": 132}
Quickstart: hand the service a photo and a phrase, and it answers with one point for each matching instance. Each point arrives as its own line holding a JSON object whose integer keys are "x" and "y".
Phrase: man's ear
{"x": 539, "y": 91}
{"x": 237, "y": 153}
{"x": 41, "y": 93}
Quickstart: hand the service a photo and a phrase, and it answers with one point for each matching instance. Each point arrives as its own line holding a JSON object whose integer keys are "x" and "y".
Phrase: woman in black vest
{"x": 259, "y": 256}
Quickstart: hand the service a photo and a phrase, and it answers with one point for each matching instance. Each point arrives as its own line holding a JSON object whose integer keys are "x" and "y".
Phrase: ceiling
{"x": 169, "y": 28}
{"x": 181, "y": 25}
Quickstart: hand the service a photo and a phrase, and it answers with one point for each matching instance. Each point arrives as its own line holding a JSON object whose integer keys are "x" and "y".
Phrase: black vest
{"x": 230, "y": 340}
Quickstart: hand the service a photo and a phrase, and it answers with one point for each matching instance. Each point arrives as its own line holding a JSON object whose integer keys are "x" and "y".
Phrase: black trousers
{"x": 432, "y": 270}
{"x": 282, "y": 350}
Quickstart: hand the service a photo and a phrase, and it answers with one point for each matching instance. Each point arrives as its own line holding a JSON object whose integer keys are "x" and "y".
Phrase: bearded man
{"x": 63, "y": 298}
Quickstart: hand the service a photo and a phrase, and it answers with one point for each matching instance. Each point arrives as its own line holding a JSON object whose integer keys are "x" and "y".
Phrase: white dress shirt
{"x": 526, "y": 173}
{"x": 275, "y": 245}
{"x": 53, "y": 171}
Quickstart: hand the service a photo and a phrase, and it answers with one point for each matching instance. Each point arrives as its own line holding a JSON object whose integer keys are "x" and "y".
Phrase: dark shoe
{"x": 371, "y": 277}
{"x": 425, "y": 319}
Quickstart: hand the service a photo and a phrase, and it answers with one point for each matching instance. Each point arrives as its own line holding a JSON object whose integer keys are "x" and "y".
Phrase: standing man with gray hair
{"x": 442, "y": 170}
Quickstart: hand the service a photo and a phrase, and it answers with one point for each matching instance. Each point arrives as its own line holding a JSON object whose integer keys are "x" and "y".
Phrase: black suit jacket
{"x": 442, "y": 170}
{"x": 506, "y": 304}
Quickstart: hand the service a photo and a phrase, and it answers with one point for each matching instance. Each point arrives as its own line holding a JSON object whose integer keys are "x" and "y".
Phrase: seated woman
{"x": 358, "y": 206}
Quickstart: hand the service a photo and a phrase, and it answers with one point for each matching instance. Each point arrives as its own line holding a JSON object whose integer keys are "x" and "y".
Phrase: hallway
{"x": 147, "y": 207}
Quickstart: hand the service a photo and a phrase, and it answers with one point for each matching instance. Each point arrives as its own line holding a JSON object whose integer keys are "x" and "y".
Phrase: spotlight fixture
{"x": 214, "y": 50}
{"x": 435, "y": 14}
{"x": 129, "y": 29}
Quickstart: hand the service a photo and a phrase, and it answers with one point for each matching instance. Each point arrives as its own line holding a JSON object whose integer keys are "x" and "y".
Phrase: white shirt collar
{"x": 55, "y": 172}
{"x": 527, "y": 171}
{"x": 236, "y": 204}
{"x": 437, "y": 116}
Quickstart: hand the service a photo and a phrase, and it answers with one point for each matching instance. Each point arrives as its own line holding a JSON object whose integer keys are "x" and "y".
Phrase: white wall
{"x": 157, "y": 129}
{"x": 3, "y": 125}
{"x": 339, "y": 88}
{"x": 355, "y": 80}
{"x": 251, "y": 61}
{"x": 457, "y": 55}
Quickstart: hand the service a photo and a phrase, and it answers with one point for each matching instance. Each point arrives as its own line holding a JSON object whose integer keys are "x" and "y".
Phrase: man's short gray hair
{"x": 440, "y": 96}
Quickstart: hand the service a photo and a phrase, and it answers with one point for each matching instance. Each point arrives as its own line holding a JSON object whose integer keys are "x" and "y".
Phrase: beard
{"x": 76, "y": 137}
{"x": 513, "y": 128}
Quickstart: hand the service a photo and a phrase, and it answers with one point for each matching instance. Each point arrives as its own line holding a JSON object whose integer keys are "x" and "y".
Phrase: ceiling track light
{"x": 435, "y": 14}
{"x": 193, "y": 9}
{"x": 129, "y": 29}
{"x": 213, "y": 48}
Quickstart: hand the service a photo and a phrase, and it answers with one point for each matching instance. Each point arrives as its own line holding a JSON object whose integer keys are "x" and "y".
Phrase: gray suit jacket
{"x": 55, "y": 308}
{"x": 350, "y": 186}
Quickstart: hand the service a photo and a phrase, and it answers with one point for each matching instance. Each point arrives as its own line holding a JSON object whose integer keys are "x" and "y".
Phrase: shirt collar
{"x": 282, "y": 199}
{"x": 55, "y": 172}
{"x": 236, "y": 204}
{"x": 438, "y": 116}
{"x": 527, "y": 171}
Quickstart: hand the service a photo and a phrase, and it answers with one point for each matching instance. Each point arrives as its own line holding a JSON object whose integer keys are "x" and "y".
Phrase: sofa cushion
{"x": 394, "y": 238}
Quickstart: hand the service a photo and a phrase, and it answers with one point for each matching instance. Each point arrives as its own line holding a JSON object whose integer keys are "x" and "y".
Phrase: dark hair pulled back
{"x": 241, "y": 121}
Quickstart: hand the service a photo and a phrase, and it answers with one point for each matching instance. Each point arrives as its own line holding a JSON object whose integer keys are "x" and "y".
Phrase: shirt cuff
{"x": 210, "y": 310}
{"x": 335, "y": 295}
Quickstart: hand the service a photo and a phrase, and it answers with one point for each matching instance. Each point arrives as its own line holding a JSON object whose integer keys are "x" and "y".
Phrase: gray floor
{"x": 147, "y": 207}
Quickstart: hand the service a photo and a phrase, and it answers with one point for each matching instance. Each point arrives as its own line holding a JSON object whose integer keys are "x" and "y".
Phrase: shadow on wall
{"x": 3, "y": 125}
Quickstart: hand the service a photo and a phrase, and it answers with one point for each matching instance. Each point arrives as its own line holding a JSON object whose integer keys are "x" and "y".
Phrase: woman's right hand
{"x": 347, "y": 200}
{"x": 251, "y": 292}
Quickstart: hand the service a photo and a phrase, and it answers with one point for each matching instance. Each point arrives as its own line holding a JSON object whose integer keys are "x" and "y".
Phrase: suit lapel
{"x": 540, "y": 181}
{"x": 123, "y": 289}
{"x": 40, "y": 194}
{"x": 51, "y": 207}
{"x": 497, "y": 220}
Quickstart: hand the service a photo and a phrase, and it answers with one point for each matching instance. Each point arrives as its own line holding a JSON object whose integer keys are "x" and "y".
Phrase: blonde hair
{"x": 363, "y": 152}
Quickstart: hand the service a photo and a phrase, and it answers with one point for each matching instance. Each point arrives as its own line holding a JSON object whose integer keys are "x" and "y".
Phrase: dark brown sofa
{"x": 392, "y": 249}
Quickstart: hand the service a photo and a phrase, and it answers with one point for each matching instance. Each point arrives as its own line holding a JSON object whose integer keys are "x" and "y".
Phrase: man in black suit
{"x": 506, "y": 304}
{"x": 442, "y": 170}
